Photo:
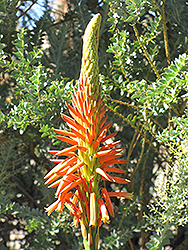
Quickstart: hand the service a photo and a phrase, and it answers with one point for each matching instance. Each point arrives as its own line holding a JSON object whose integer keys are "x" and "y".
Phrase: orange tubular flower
{"x": 89, "y": 154}
{"x": 93, "y": 210}
{"x": 104, "y": 213}
{"x": 108, "y": 201}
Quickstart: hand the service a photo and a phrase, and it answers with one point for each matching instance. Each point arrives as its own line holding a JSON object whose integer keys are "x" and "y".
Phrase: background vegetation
{"x": 144, "y": 72}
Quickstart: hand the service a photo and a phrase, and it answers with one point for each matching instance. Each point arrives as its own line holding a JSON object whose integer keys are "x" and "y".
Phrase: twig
{"x": 169, "y": 117}
{"x": 62, "y": 21}
{"x": 123, "y": 103}
{"x": 132, "y": 146}
{"x": 143, "y": 234}
{"x": 130, "y": 243}
{"x": 120, "y": 61}
{"x": 140, "y": 157}
{"x": 182, "y": 245}
{"x": 138, "y": 131}
{"x": 145, "y": 52}
{"x": 81, "y": 14}
{"x": 20, "y": 4}
{"x": 165, "y": 33}
{"x": 135, "y": 107}
{"x": 26, "y": 10}
{"x": 148, "y": 127}
{"x": 129, "y": 208}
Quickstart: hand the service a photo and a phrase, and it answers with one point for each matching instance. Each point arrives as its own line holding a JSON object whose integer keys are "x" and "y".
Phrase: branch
{"x": 138, "y": 131}
{"x": 123, "y": 103}
{"x": 26, "y": 10}
{"x": 182, "y": 245}
{"x": 145, "y": 52}
{"x": 139, "y": 160}
{"x": 165, "y": 34}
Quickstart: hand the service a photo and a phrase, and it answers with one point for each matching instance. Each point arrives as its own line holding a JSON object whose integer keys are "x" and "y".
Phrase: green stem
{"x": 92, "y": 243}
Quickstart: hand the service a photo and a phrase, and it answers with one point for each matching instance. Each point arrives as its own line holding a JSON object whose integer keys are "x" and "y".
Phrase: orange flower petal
{"x": 80, "y": 101}
{"x": 49, "y": 174}
{"x": 68, "y": 162}
{"x": 108, "y": 137}
{"x": 61, "y": 166}
{"x": 99, "y": 101}
{"x": 102, "y": 153}
{"x": 62, "y": 199}
{"x": 102, "y": 113}
{"x": 115, "y": 170}
{"x": 102, "y": 108}
{"x": 108, "y": 201}
{"x": 90, "y": 184}
{"x": 85, "y": 105}
{"x": 74, "y": 99}
{"x": 99, "y": 139}
{"x": 96, "y": 121}
{"x": 103, "y": 174}
{"x": 74, "y": 168}
{"x": 73, "y": 123}
{"x": 83, "y": 229}
{"x": 77, "y": 115}
{"x": 121, "y": 194}
{"x": 75, "y": 198}
{"x": 94, "y": 106}
{"x": 67, "y": 150}
{"x": 110, "y": 145}
{"x": 52, "y": 179}
{"x": 63, "y": 183}
{"x": 60, "y": 206}
{"x": 103, "y": 211}
{"x": 66, "y": 181}
{"x": 109, "y": 157}
{"x": 55, "y": 184}
{"x": 76, "y": 221}
{"x": 80, "y": 127}
{"x": 89, "y": 137}
{"x": 107, "y": 126}
{"x": 90, "y": 111}
{"x": 84, "y": 119}
{"x": 52, "y": 207}
{"x": 77, "y": 134}
{"x": 93, "y": 131}
{"x": 75, "y": 208}
{"x": 102, "y": 122}
{"x": 82, "y": 196}
{"x": 112, "y": 162}
{"x": 71, "y": 185}
{"x": 118, "y": 180}
{"x": 108, "y": 152}
{"x": 84, "y": 149}
{"x": 84, "y": 183}
{"x": 71, "y": 209}
{"x": 93, "y": 210}
{"x": 90, "y": 239}
{"x": 63, "y": 132}
{"x": 99, "y": 221}
{"x": 68, "y": 140}
{"x": 53, "y": 152}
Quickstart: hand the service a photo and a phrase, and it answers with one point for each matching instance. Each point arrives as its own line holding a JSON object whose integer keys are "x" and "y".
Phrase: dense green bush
{"x": 144, "y": 72}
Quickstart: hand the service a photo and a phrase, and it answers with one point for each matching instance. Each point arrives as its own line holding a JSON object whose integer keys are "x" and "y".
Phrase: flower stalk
{"x": 90, "y": 155}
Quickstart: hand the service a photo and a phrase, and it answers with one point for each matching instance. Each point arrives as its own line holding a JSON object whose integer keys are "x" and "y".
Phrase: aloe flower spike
{"x": 89, "y": 155}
